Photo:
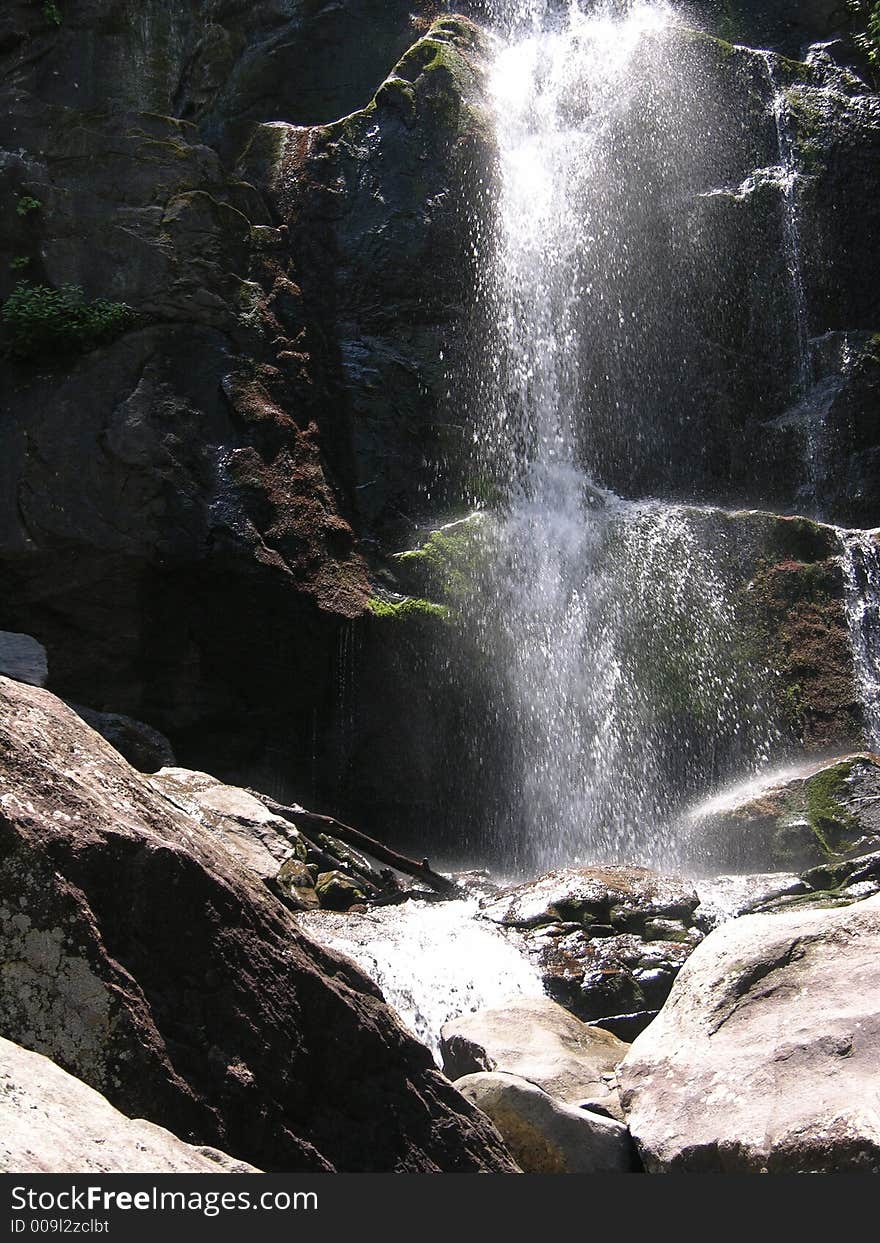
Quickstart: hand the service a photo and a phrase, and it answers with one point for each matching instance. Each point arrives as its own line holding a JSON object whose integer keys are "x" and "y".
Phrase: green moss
{"x": 407, "y": 607}
{"x": 829, "y": 820}
{"x": 449, "y": 560}
{"x": 721, "y": 49}
{"x": 52, "y": 12}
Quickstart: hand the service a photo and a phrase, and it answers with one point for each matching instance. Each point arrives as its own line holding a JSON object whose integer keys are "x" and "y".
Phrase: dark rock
{"x": 23, "y": 658}
{"x": 297, "y": 884}
{"x": 144, "y": 747}
{"x": 143, "y": 958}
{"x": 786, "y": 25}
{"x": 337, "y": 892}
{"x": 617, "y": 981}
{"x": 223, "y": 65}
{"x": 383, "y": 209}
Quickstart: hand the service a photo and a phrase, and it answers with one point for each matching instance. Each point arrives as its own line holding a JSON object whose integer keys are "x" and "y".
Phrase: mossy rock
{"x": 446, "y": 565}
{"x": 338, "y": 892}
{"x": 813, "y": 819}
{"x": 296, "y": 883}
{"x": 405, "y": 608}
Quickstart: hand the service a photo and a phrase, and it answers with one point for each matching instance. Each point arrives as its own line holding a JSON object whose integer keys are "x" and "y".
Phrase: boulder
{"x": 262, "y": 841}
{"x": 608, "y": 942}
{"x": 536, "y": 1039}
{"x": 336, "y": 891}
{"x": 51, "y": 1123}
{"x": 139, "y": 953}
{"x": 764, "y": 1057}
{"x": 821, "y": 812}
{"x": 23, "y": 658}
{"x": 544, "y": 1135}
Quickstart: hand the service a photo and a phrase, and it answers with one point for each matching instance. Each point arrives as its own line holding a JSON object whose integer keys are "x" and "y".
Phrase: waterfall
{"x": 861, "y": 575}
{"x": 613, "y": 637}
{"x": 786, "y": 177}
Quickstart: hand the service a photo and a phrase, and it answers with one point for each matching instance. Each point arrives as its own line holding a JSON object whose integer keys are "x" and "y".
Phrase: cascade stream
{"x": 606, "y": 619}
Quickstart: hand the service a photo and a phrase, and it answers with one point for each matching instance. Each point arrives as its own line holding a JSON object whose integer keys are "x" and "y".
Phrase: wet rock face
{"x": 192, "y": 484}
{"x": 224, "y": 65}
{"x": 140, "y": 955}
{"x": 763, "y": 1058}
{"x": 785, "y": 25}
{"x": 385, "y": 211}
{"x": 822, "y": 815}
{"x": 608, "y": 942}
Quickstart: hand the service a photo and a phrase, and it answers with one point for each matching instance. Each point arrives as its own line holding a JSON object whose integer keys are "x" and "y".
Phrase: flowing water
{"x": 611, "y": 630}
{"x": 622, "y": 703}
{"x": 861, "y": 572}
{"x": 433, "y": 961}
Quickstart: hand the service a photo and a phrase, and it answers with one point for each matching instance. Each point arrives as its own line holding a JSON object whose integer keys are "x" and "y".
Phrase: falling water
{"x": 787, "y": 180}
{"x": 611, "y": 630}
{"x": 861, "y": 571}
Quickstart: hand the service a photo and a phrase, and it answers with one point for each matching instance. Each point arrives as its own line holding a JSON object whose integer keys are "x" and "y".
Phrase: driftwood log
{"x": 327, "y": 825}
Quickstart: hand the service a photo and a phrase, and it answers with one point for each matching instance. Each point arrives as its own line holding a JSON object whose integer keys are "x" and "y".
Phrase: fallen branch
{"x": 359, "y": 841}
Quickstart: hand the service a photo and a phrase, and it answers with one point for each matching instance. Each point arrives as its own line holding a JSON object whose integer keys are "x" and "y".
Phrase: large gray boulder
{"x": 765, "y": 1056}
{"x": 51, "y": 1123}
{"x": 536, "y": 1039}
{"x": 544, "y": 1135}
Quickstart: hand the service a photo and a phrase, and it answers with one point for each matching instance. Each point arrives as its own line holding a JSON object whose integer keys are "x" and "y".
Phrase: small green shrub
{"x": 52, "y": 13}
{"x": 26, "y": 204}
{"x": 19, "y": 263}
{"x": 40, "y": 322}
{"x": 867, "y": 14}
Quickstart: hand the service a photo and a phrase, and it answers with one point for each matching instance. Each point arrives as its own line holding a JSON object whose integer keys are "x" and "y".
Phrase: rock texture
{"x": 204, "y": 478}
{"x": 544, "y": 1135}
{"x": 538, "y": 1040}
{"x": 50, "y": 1123}
{"x": 138, "y": 954}
{"x": 763, "y": 1059}
{"x": 822, "y": 813}
{"x": 608, "y": 942}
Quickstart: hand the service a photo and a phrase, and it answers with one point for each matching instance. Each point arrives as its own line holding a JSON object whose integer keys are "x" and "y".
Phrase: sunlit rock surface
{"x": 544, "y": 1135}
{"x": 540, "y": 1041}
{"x": 763, "y": 1059}
{"x": 51, "y": 1123}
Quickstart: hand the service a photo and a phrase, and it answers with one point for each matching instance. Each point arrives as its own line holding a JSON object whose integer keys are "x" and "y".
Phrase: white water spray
{"x": 613, "y": 637}
{"x": 861, "y": 576}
